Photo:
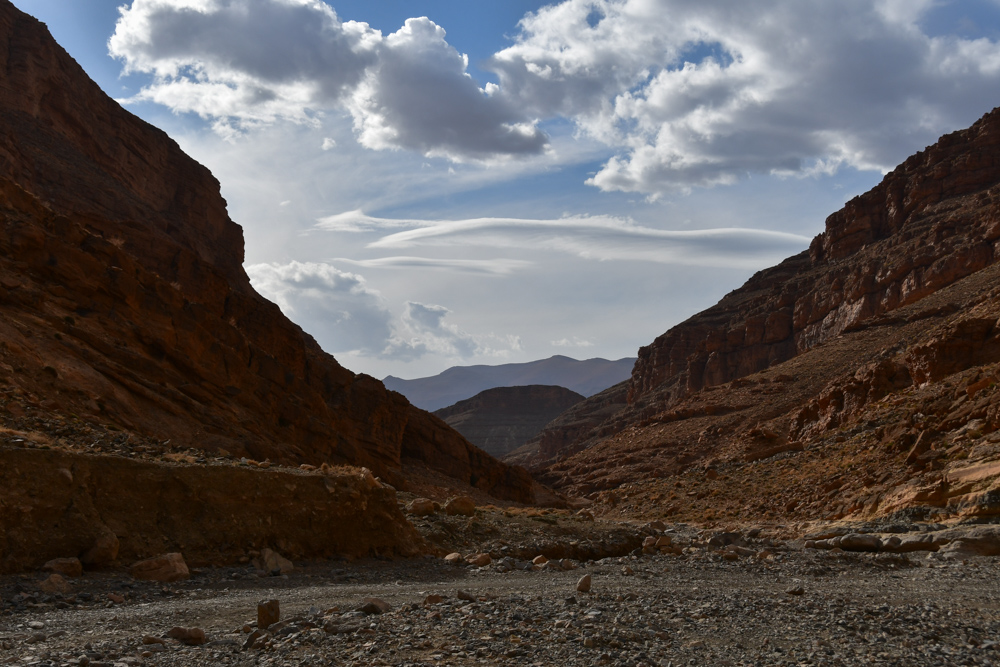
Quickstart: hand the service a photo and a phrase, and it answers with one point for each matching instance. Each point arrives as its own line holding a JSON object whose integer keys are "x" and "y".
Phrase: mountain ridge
{"x": 587, "y": 377}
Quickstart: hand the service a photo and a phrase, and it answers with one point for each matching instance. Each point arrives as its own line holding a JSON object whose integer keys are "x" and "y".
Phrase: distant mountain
{"x": 460, "y": 382}
{"x": 501, "y": 419}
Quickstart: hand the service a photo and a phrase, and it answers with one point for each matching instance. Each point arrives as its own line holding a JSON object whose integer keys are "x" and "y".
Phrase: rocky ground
{"x": 771, "y": 602}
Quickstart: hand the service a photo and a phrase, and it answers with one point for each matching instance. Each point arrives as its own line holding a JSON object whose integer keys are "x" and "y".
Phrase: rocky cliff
{"x": 123, "y": 301}
{"x": 855, "y": 379}
{"x": 501, "y": 419}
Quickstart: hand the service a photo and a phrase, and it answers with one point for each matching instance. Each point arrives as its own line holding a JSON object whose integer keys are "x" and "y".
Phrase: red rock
{"x": 268, "y": 613}
{"x": 121, "y": 245}
{"x": 421, "y": 507}
{"x": 166, "y": 568}
{"x": 189, "y": 636}
{"x": 55, "y": 583}
{"x": 462, "y": 505}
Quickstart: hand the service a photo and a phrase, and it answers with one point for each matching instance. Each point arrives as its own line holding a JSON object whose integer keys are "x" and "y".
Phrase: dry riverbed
{"x": 788, "y": 606}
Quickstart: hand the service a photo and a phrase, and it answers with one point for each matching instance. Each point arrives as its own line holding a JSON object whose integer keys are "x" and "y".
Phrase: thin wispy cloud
{"x": 596, "y": 238}
{"x": 499, "y": 267}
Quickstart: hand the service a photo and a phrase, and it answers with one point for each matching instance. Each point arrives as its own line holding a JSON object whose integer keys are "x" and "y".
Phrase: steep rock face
{"x": 502, "y": 419}
{"x": 886, "y": 248}
{"x": 932, "y": 221}
{"x": 124, "y": 301}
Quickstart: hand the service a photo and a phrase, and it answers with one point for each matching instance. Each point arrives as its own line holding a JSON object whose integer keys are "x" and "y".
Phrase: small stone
{"x": 268, "y": 613}
{"x": 583, "y": 585}
{"x": 586, "y": 515}
{"x": 462, "y": 595}
{"x": 36, "y": 625}
{"x": 462, "y": 505}
{"x": 35, "y": 638}
{"x": 433, "y": 599}
{"x": 150, "y": 639}
{"x": 628, "y": 571}
{"x": 589, "y": 642}
{"x": 67, "y": 567}
{"x": 166, "y": 568}
{"x": 539, "y": 560}
{"x": 650, "y": 541}
{"x": 116, "y": 598}
{"x": 55, "y": 583}
{"x": 453, "y": 558}
{"x": 421, "y": 507}
{"x": 189, "y": 636}
{"x": 374, "y": 606}
{"x": 567, "y": 564}
{"x": 796, "y": 590}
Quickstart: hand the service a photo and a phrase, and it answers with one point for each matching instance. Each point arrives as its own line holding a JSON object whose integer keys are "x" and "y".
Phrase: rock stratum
{"x": 501, "y": 419}
{"x": 854, "y": 380}
{"x": 124, "y": 306}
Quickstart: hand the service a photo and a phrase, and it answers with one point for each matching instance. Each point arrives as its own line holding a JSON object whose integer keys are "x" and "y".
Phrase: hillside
{"x": 501, "y": 419}
{"x": 458, "y": 383}
{"x": 124, "y": 304}
{"x": 853, "y": 380}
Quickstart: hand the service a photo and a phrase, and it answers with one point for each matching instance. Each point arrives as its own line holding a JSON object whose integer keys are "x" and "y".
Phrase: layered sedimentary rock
{"x": 855, "y": 380}
{"x": 123, "y": 299}
{"x": 111, "y": 510}
{"x": 501, "y": 419}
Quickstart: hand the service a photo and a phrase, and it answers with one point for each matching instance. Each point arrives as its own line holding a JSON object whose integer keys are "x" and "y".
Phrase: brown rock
{"x": 479, "y": 560}
{"x": 148, "y": 640}
{"x": 268, "y": 613}
{"x": 583, "y": 585}
{"x": 116, "y": 598}
{"x": 453, "y": 558}
{"x": 68, "y": 567}
{"x": 539, "y": 560}
{"x": 189, "y": 636}
{"x": 271, "y": 561}
{"x": 433, "y": 599}
{"x": 462, "y": 595}
{"x": 55, "y": 583}
{"x": 103, "y": 552}
{"x": 374, "y": 606}
{"x": 421, "y": 507}
{"x": 462, "y": 505}
{"x": 124, "y": 222}
{"x": 168, "y": 567}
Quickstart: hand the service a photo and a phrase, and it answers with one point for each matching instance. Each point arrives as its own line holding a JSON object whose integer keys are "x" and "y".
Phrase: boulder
{"x": 463, "y": 505}
{"x": 55, "y": 583}
{"x": 421, "y": 507}
{"x": 189, "y": 636}
{"x": 168, "y": 567}
{"x": 268, "y": 613}
{"x": 859, "y": 542}
{"x": 271, "y": 561}
{"x": 103, "y": 552}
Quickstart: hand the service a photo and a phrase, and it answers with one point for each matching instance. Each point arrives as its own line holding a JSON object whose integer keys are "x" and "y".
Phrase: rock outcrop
{"x": 502, "y": 419}
{"x": 855, "y": 380}
{"x": 123, "y": 300}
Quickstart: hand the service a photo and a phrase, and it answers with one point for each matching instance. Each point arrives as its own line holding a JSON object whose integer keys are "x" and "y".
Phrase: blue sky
{"x": 425, "y": 184}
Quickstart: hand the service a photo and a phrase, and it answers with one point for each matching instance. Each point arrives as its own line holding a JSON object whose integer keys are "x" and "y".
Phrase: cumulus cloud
{"x": 574, "y": 342}
{"x": 241, "y": 63}
{"x": 345, "y": 315}
{"x": 336, "y": 307}
{"x": 697, "y": 94}
{"x": 424, "y": 330}
{"x": 600, "y": 238}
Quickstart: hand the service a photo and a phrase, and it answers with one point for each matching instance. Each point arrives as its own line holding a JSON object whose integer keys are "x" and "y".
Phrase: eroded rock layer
{"x": 111, "y": 510}
{"x": 123, "y": 300}
{"x": 855, "y": 380}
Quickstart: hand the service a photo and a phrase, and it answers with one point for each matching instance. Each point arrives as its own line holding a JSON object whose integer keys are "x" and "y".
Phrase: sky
{"x": 432, "y": 183}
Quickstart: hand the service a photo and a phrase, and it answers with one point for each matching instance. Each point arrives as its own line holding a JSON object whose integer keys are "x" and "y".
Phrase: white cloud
{"x": 345, "y": 315}
{"x": 499, "y": 267}
{"x": 244, "y": 63}
{"x": 574, "y": 342}
{"x": 328, "y": 144}
{"x": 424, "y": 330}
{"x": 597, "y": 238}
{"x": 698, "y": 94}
{"x": 336, "y": 307}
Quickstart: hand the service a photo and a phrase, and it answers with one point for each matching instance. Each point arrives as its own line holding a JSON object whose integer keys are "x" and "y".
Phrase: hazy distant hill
{"x": 586, "y": 377}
